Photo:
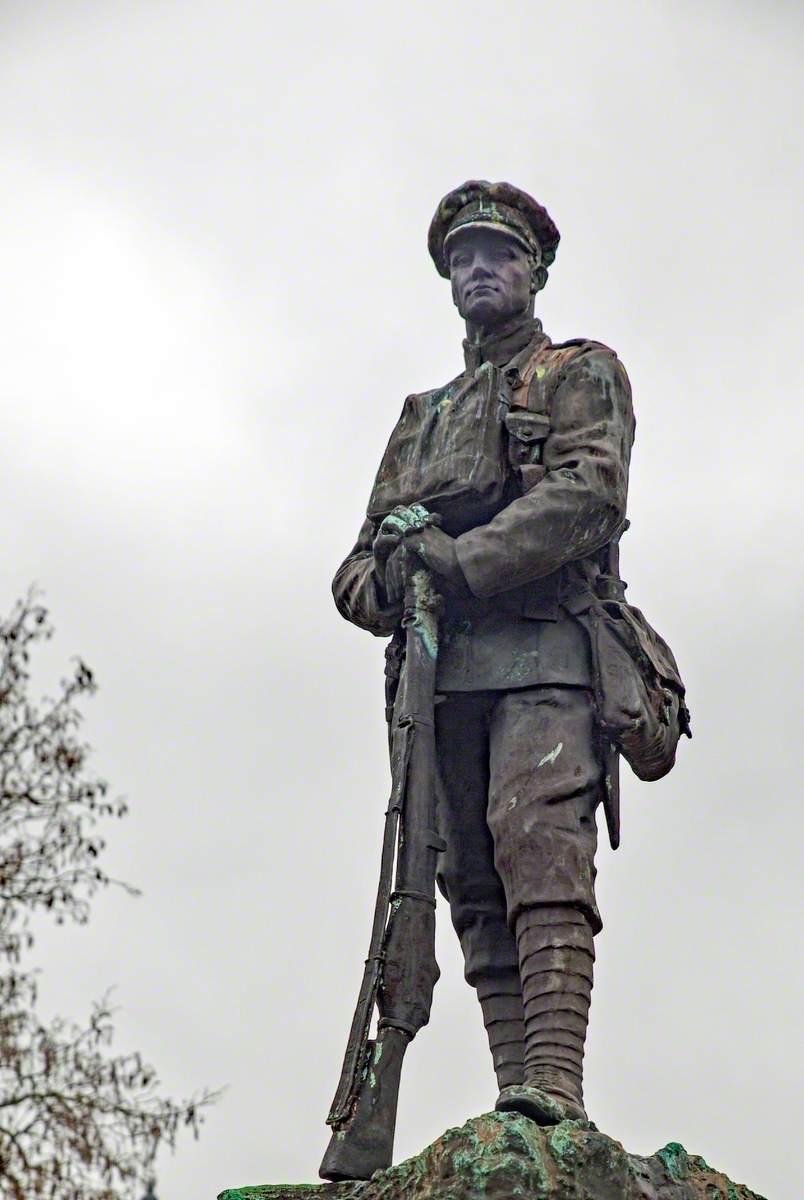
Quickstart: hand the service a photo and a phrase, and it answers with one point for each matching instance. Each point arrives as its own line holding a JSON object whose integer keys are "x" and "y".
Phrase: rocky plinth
{"x": 503, "y": 1156}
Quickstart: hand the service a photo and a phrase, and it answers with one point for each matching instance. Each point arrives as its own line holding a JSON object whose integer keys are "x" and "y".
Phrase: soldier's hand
{"x": 403, "y": 520}
{"x": 436, "y": 550}
{"x": 395, "y": 526}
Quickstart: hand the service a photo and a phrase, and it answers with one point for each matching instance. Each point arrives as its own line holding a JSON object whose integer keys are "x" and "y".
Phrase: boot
{"x": 500, "y": 998}
{"x": 556, "y": 956}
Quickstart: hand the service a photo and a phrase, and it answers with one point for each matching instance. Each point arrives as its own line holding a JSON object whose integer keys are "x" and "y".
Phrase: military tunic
{"x": 517, "y": 747}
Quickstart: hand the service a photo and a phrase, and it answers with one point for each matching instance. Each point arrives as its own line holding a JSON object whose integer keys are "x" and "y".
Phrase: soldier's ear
{"x": 538, "y": 272}
{"x": 538, "y": 278}
{"x": 534, "y": 284}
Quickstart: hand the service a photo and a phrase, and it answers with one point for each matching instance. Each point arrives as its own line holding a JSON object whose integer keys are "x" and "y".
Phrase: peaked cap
{"x": 497, "y": 205}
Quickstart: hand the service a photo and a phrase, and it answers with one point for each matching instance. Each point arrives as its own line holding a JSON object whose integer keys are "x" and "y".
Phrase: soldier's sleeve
{"x": 580, "y": 502}
{"x": 357, "y": 593}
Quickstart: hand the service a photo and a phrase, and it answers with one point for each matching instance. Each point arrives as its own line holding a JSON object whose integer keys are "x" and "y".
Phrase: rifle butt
{"x": 365, "y": 1142}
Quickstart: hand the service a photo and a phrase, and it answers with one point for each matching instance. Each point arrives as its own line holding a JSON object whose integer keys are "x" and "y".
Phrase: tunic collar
{"x": 514, "y": 341}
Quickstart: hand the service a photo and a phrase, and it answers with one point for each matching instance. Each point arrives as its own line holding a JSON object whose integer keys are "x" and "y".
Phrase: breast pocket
{"x": 527, "y": 432}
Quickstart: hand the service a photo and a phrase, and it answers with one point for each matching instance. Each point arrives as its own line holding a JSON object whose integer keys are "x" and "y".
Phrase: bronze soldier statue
{"x": 506, "y": 488}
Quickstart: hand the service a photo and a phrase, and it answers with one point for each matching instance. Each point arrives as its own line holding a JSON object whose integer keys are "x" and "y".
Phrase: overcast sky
{"x": 217, "y": 294}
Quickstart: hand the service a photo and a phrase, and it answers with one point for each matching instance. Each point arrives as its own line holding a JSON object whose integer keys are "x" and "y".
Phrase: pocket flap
{"x": 526, "y": 426}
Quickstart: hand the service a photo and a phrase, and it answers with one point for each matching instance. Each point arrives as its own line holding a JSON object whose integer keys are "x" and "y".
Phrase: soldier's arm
{"x": 580, "y": 503}
{"x": 358, "y": 592}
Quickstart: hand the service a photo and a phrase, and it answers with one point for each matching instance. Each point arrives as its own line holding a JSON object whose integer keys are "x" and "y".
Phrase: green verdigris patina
{"x": 425, "y": 616}
{"x": 505, "y": 1156}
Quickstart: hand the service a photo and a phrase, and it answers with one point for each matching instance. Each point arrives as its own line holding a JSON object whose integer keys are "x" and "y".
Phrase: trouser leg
{"x": 469, "y": 880}
{"x": 544, "y": 786}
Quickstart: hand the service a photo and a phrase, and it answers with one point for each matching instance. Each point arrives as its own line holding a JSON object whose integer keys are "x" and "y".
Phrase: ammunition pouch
{"x": 527, "y": 433}
{"x": 447, "y": 453}
{"x": 466, "y": 450}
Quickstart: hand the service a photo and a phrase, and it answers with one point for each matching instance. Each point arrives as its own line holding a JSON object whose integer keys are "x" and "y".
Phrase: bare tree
{"x": 77, "y": 1122}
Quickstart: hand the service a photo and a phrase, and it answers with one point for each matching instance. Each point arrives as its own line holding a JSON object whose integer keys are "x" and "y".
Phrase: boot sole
{"x": 539, "y": 1106}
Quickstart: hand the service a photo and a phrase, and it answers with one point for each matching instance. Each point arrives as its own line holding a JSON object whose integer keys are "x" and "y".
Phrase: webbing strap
{"x": 535, "y": 397}
{"x": 411, "y": 894}
{"x": 395, "y": 1023}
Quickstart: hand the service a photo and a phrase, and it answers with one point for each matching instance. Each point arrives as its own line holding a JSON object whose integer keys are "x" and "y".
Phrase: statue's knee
{"x": 488, "y": 946}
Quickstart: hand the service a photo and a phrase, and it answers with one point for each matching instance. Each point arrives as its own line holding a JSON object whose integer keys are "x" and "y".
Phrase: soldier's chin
{"x": 485, "y": 309}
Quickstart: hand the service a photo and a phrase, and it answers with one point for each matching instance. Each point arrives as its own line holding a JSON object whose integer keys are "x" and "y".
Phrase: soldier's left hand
{"x": 436, "y": 550}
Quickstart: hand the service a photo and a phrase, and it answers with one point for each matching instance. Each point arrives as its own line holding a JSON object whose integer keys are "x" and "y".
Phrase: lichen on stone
{"x": 505, "y": 1156}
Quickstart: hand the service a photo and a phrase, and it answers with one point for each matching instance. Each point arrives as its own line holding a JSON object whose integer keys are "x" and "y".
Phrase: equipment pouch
{"x": 447, "y": 453}
{"x": 640, "y": 695}
{"x": 527, "y": 433}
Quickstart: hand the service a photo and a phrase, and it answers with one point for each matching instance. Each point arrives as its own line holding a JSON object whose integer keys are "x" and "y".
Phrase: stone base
{"x": 504, "y": 1156}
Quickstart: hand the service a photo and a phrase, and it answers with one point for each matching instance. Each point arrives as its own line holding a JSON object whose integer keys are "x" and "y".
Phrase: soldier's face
{"x": 490, "y": 275}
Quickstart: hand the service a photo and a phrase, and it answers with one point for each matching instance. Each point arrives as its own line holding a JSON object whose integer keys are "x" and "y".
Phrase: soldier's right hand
{"x": 401, "y": 521}
{"x": 389, "y": 553}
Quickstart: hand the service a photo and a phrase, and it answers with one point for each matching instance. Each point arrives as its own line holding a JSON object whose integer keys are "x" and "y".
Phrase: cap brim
{"x": 495, "y": 226}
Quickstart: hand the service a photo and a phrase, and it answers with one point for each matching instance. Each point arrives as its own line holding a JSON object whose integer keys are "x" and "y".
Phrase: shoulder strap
{"x": 532, "y": 393}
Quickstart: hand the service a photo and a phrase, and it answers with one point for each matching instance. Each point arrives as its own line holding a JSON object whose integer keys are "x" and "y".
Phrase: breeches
{"x": 520, "y": 779}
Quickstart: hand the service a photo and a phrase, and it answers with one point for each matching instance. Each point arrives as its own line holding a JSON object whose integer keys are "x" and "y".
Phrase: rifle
{"x": 400, "y": 971}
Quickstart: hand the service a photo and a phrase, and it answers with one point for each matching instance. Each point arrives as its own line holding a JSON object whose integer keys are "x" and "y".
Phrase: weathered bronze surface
{"x": 522, "y": 681}
{"x": 517, "y": 674}
{"x": 505, "y": 1156}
